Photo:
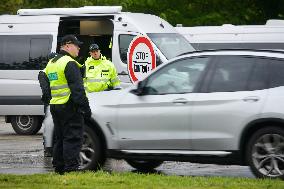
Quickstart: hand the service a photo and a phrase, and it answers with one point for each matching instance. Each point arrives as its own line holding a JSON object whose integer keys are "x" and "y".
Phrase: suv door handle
{"x": 180, "y": 101}
{"x": 251, "y": 99}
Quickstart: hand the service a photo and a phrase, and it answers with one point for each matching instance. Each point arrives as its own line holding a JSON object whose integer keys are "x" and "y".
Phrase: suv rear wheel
{"x": 26, "y": 124}
{"x": 265, "y": 152}
{"x": 144, "y": 165}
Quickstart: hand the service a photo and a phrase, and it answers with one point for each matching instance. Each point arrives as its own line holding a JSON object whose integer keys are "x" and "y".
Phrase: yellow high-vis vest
{"x": 100, "y": 75}
{"x": 60, "y": 91}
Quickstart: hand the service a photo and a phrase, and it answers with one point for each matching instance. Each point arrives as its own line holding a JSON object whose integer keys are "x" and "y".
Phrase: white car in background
{"x": 222, "y": 106}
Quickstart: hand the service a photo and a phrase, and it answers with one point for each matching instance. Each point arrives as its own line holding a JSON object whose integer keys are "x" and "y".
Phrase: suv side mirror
{"x": 158, "y": 60}
{"x": 139, "y": 91}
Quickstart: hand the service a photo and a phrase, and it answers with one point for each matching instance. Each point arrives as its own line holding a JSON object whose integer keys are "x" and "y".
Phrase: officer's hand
{"x": 117, "y": 88}
{"x": 109, "y": 88}
{"x": 87, "y": 114}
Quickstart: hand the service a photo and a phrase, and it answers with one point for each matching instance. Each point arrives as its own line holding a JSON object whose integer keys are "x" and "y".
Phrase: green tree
{"x": 186, "y": 12}
{"x": 10, "y": 7}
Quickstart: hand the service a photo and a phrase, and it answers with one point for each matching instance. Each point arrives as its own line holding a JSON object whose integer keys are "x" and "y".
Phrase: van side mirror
{"x": 123, "y": 56}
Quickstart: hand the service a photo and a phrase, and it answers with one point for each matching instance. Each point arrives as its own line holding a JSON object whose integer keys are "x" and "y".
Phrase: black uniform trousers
{"x": 68, "y": 130}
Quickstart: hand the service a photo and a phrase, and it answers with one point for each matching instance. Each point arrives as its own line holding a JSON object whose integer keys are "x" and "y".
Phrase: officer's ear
{"x": 67, "y": 46}
{"x": 64, "y": 47}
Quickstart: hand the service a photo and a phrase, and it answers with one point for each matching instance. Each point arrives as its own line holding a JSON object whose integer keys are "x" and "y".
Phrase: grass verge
{"x": 103, "y": 179}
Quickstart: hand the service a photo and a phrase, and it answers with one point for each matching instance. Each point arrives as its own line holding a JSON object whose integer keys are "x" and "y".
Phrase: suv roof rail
{"x": 275, "y": 22}
{"x": 253, "y": 50}
{"x": 68, "y": 11}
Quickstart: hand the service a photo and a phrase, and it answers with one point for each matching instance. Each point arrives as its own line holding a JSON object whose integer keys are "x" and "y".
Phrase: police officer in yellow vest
{"x": 100, "y": 73}
{"x": 68, "y": 105}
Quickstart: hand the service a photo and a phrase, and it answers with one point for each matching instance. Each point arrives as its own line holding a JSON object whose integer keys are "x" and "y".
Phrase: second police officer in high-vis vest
{"x": 100, "y": 73}
{"x": 68, "y": 105}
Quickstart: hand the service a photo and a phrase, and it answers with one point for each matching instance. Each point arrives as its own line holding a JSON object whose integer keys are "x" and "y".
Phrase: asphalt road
{"x": 24, "y": 155}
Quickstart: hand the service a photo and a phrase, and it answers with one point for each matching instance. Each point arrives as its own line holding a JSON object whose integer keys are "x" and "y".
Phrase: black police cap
{"x": 94, "y": 47}
{"x": 70, "y": 39}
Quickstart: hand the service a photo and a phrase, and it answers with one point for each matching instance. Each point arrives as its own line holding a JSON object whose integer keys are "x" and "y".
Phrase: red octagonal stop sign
{"x": 141, "y": 58}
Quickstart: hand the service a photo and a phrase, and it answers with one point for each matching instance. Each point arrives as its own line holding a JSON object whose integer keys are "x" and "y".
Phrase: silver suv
{"x": 221, "y": 107}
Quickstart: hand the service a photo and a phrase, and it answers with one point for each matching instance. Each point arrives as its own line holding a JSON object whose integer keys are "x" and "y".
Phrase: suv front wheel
{"x": 92, "y": 155}
{"x": 265, "y": 152}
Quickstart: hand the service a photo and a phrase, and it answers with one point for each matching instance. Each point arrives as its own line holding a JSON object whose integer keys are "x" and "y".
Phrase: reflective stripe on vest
{"x": 61, "y": 94}
{"x": 115, "y": 80}
{"x": 59, "y": 87}
{"x": 96, "y": 80}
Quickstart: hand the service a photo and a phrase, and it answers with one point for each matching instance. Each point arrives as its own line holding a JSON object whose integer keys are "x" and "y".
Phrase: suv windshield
{"x": 171, "y": 44}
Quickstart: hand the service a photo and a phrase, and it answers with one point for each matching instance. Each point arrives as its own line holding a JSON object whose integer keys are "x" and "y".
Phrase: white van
{"x": 227, "y": 36}
{"x": 26, "y": 40}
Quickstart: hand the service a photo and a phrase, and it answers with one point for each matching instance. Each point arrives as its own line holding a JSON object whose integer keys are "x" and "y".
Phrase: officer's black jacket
{"x": 45, "y": 88}
{"x": 75, "y": 82}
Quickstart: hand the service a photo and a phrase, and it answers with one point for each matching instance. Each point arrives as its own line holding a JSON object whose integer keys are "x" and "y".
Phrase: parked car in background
{"x": 222, "y": 106}
{"x": 228, "y": 36}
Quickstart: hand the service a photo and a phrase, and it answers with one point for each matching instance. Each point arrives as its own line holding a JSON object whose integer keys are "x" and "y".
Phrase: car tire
{"x": 265, "y": 152}
{"x": 92, "y": 155}
{"x": 144, "y": 165}
{"x": 26, "y": 124}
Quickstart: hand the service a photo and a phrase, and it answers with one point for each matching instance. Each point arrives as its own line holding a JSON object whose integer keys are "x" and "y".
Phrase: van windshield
{"x": 171, "y": 44}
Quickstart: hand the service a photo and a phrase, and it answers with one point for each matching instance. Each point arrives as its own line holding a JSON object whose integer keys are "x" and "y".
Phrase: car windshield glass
{"x": 171, "y": 44}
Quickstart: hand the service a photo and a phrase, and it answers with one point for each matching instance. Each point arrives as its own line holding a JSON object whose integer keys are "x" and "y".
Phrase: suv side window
{"x": 124, "y": 42}
{"x": 231, "y": 74}
{"x": 259, "y": 77}
{"x": 178, "y": 77}
{"x": 276, "y": 70}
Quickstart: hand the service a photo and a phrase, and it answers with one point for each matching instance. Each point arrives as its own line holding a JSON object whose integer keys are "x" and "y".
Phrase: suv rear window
{"x": 276, "y": 70}
{"x": 237, "y": 73}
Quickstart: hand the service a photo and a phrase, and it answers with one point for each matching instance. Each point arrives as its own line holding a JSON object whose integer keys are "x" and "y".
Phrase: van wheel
{"x": 26, "y": 124}
{"x": 144, "y": 165}
{"x": 265, "y": 153}
{"x": 92, "y": 154}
